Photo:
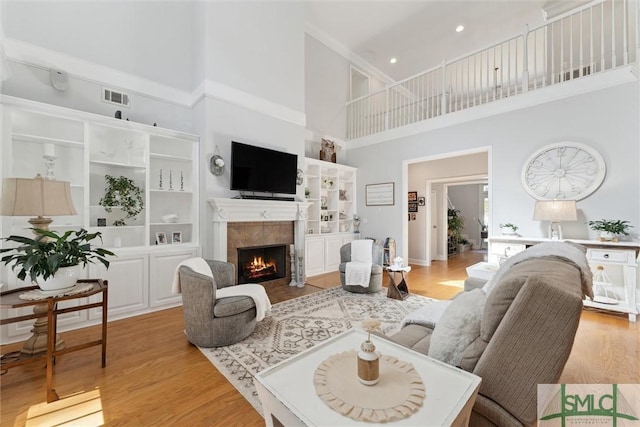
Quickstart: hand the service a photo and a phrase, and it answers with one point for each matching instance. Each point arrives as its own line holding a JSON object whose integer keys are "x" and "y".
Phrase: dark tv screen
{"x": 262, "y": 169}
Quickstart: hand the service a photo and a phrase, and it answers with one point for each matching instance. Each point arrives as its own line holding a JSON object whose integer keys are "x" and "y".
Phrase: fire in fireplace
{"x": 261, "y": 263}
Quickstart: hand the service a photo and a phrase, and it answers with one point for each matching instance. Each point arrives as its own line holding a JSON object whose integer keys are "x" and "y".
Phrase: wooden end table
{"x": 11, "y": 299}
{"x": 397, "y": 291}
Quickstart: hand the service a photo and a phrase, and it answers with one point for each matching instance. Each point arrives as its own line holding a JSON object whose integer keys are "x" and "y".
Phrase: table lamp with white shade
{"x": 39, "y": 198}
{"x": 555, "y": 211}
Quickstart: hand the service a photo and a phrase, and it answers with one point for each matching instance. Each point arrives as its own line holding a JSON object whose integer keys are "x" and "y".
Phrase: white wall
{"x": 150, "y": 39}
{"x": 258, "y": 48}
{"x": 326, "y": 91}
{"x": 607, "y": 120}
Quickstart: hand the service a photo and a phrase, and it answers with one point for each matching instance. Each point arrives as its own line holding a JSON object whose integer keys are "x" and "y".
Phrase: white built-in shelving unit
{"x": 332, "y": 198}
{"x": 88, "y": 147}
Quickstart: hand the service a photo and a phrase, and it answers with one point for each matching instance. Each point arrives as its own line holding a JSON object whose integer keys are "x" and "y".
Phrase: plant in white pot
{"x": 509, "y": 229}
{"x": 610, "y": 228}
{"x": 54, "y": 261}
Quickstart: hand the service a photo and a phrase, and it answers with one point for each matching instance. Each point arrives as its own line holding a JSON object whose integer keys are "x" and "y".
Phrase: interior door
{"x": 433, "y": 207}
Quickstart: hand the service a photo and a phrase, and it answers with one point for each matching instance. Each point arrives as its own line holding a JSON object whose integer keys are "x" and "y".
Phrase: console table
{"x": 11, "y": 299}
{"x": 620, "y": 260}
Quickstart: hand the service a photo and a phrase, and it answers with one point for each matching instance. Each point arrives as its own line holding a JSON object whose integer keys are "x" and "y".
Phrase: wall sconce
{"x": 216, "y": 164}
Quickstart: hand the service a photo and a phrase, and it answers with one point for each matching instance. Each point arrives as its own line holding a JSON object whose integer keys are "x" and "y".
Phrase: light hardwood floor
{"x": 154, "y": 377}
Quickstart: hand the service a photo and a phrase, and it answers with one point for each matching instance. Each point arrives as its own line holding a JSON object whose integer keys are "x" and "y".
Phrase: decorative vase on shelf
{"x": 368, "y": 364}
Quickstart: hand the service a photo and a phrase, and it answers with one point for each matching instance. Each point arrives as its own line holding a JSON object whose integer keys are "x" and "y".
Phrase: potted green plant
{"x": 610, "y": 228}
{"x": 123, "y": 193}
{"x": 455, "y": 222}
{"x": 51, "y": 260}
{"x": 509, "y": 229}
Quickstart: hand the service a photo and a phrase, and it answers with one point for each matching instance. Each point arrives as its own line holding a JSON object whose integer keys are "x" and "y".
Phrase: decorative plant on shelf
{"x": 327, "y": 182}
{"x": 123, "y": 193}
{"x": 509, "y": 226}
{"x": 612, "y": 226}
{"x": 45, "y": 255}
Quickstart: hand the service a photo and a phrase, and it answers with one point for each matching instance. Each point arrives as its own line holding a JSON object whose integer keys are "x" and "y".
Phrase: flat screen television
{"x": 262, "y": 169}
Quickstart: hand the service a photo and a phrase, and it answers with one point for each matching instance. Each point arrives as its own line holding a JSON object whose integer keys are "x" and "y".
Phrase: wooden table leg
{"x": 52, "y": 396}
{"x": 105, "y": 299}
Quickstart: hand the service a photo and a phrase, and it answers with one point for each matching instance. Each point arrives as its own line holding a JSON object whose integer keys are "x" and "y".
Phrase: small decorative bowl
{"x": 169, "y": 218}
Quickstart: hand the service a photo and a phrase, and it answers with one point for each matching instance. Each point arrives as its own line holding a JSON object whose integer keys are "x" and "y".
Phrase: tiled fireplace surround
{"x": 242, "y": 223}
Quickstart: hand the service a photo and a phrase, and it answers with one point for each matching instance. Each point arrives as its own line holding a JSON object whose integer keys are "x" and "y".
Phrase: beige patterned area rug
{"x": 301, "y": 323}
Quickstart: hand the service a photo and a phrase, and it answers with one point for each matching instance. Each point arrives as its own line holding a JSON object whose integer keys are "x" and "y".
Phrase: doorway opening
{"x": 426, "y": 236}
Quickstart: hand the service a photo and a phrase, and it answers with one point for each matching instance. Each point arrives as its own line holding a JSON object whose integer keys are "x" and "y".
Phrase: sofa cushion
{"x": 416, "y": 337}
{"x": 505, "y": 291}
{"x": 458, "y": 327}
{"x": 230, "y": 306}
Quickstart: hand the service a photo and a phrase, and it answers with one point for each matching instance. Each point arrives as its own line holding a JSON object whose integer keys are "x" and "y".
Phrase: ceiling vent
{"x": 114, "y": 97}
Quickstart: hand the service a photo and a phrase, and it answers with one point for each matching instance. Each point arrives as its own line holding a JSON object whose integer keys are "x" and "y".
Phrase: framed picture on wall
{"x": 379, "y": 194}
{"x": 413, "y": 196}
{"x": 413, "y": 206}
{"x": 421, "y": 201}
{"x": 412, "y": 216}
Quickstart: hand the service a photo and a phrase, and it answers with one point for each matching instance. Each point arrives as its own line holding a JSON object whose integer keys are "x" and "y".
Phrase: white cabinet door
{"x": 314, "y": 256}
{"x": 163, "y": 266}
{"x": 332, "y": 247}
{"x": 128, "y": 277}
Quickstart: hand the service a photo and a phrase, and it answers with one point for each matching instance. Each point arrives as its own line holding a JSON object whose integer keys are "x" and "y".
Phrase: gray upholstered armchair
{"x": 375, "y": 282}
{"x": 211, "y": 321}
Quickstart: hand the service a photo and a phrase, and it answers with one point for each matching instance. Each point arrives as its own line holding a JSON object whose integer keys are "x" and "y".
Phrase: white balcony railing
{"x": 599, "y": 36}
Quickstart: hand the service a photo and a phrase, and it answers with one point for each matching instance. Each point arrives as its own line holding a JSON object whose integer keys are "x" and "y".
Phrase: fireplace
{"x": 261, "y": 263}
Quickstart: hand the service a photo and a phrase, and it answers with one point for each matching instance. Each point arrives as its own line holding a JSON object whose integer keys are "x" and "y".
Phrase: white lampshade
{"x": 36, "y": 197}
{"x": 555, "y": 210}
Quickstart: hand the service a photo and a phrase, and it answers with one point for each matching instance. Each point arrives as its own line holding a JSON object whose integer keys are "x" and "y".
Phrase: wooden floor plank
{"x": 155, "y": 377}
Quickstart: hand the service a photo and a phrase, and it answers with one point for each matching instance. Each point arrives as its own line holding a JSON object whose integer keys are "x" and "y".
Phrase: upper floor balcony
{"x": 594, "y": 39}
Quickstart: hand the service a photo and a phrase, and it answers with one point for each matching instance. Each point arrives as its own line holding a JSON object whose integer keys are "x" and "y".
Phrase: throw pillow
{"x": 458, "y": 327}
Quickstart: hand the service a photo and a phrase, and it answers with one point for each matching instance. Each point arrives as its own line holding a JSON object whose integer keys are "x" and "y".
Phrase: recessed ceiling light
{"x": 459, "y": 28}
{"x": 393, "y": 60}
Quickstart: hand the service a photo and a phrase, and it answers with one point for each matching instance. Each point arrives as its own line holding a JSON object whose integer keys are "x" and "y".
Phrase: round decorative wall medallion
{"x": 216, "y": 165}
{"x": 563, "y": 171}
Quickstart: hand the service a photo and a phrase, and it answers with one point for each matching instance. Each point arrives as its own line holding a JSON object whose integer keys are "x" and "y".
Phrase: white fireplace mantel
{"x": 227, "y": 210}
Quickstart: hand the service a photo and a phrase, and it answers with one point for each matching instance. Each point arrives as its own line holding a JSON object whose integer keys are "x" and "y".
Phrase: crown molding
{"x": 230, "y": 95}
{"x": 346, "y": 53}
{"x": 37, "y": 56}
